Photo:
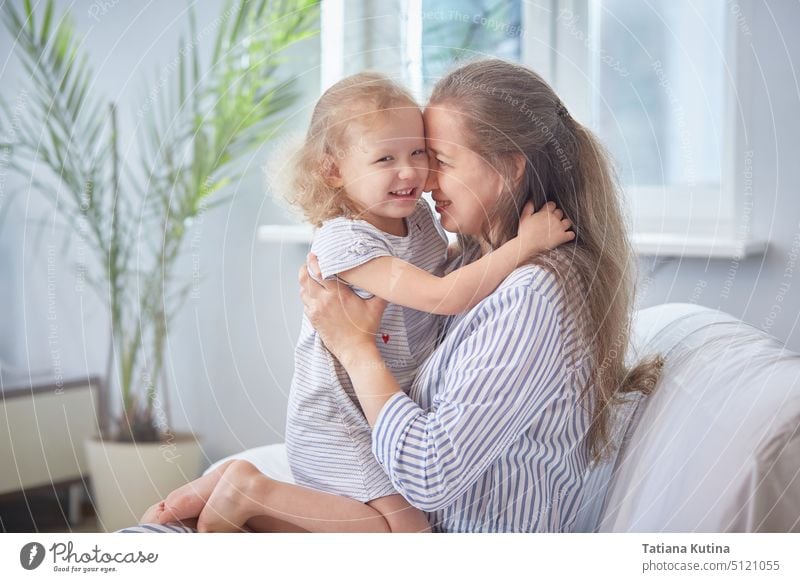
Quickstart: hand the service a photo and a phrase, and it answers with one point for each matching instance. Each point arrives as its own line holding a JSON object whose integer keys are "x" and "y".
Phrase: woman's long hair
{"x": 508, "y": 110}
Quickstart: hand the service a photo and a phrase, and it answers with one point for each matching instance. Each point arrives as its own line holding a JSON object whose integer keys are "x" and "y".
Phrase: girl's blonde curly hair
{"x": 352, "y": 102}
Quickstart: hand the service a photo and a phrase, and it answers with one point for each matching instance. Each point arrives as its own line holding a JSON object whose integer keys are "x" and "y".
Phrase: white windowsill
{"x": 646, "y": 245}
{"x": 286, "y": 233}
{"x": 695, "y": 247}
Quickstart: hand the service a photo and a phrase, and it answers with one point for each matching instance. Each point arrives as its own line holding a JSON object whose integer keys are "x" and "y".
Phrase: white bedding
{"x": 716, "y": 447}
{"x": 270, "y": 460}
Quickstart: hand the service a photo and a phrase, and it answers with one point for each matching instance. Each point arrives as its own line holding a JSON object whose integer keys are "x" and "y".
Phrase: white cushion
{"x": 270, "y": 460}
{"x": 716, "y": 448}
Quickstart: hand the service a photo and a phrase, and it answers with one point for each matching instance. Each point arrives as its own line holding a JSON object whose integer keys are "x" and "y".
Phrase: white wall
{"x": 230, "y": 351}
{"x": 763, "y": 291}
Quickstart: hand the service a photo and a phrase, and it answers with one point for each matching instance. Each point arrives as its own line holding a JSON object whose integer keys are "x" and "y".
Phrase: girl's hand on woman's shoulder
{"x": 544, "y": 229}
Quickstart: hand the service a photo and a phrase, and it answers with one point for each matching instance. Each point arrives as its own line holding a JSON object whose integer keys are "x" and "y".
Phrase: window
{"x": 658, "y": 90}
{"x": 453, "y": 29}
{"x": 662, "y": 82}
{"x": 664, "y": 85}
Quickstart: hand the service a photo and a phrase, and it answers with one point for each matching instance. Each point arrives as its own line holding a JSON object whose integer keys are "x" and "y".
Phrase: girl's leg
{"x": 286, "y": 507}
{"x": 186, "y": 502}
{"x": 401, "y": 515}
{"x": 149, "y": 523}
{"x": 317, "y": 511}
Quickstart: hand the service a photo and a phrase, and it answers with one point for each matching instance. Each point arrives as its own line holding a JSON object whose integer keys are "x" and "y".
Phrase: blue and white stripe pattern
{"x": 157, "y": 528}
{"x": 328, "y": 440}
{"x": 490, "y": 437}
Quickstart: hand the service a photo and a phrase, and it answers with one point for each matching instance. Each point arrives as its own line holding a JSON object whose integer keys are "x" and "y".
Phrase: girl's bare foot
{"x": 152, "y": 513}
{"x": 187, "y": 502}
{"x": 234, "y": 501}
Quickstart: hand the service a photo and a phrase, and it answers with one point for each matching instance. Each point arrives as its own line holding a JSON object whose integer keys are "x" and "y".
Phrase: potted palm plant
{"x": 198, "y": 127}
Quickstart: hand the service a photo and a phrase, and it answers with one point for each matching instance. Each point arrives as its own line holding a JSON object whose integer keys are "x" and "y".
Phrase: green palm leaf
{"x": 193, "y": 133}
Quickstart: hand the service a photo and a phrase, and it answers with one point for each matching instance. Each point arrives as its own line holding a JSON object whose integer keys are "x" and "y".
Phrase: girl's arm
{"x": 402, "y": 283}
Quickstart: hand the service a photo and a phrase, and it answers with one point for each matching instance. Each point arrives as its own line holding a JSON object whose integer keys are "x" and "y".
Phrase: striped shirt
{"x": 328, "y": 440}
{"x": 490, "y": 437}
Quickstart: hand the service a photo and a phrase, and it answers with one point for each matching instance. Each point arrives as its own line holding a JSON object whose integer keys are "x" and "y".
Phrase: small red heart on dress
{"x": 385, "y": 338}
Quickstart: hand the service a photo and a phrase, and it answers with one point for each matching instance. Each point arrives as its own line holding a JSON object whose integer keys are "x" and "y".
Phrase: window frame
{"x": 665, "y": 221}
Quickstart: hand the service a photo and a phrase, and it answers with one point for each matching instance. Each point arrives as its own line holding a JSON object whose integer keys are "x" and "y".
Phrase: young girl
{"x": 358, "y": 178}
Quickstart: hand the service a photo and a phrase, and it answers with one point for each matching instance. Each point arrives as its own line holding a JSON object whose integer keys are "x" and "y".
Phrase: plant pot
{"x": 127, "y": 478}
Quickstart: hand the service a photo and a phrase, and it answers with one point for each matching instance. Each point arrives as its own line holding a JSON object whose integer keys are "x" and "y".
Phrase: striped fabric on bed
{"x": 157, "y": 528}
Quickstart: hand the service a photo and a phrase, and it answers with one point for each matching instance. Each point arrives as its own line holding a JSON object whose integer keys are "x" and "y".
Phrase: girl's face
{"x": 464, "y": 186}
{"x": 384, "y": 170}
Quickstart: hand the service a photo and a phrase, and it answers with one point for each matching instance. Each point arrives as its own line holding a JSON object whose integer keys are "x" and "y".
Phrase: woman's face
{"x": 464, "y": 186}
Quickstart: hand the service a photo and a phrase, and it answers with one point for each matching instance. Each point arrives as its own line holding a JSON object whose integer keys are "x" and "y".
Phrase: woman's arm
{"x": 373, "y": 381}
{"x": 504, "y": 375}
{"x": 348, "y": 326}
{"x": 402, "y": 283}
{"x": 509, "y": 368}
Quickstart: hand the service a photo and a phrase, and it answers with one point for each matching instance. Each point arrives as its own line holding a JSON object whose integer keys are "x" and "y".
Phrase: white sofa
{"x": 716, "y": 448}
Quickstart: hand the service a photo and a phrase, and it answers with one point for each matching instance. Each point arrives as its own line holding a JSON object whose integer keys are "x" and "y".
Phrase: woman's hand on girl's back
{"x": 346, "y": 323}
{"x": 544, "y": 229}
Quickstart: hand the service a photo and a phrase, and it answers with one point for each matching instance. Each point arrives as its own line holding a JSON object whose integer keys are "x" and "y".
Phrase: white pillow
{"x": 716, "y": 448}
{"x": 270, "y": 460}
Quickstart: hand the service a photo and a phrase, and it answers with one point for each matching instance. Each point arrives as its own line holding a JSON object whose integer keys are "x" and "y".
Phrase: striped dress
{"x": 328, "y": 439}
{"x": 490, "y": 437}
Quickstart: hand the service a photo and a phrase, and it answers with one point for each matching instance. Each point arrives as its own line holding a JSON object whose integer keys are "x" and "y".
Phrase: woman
{"x": 504, "y": 418}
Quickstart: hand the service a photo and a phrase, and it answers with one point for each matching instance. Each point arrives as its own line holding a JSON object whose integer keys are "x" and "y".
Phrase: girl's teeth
{"x": 403, "y": 192}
